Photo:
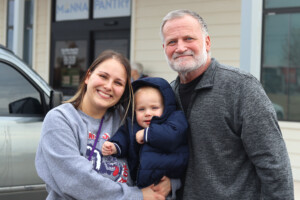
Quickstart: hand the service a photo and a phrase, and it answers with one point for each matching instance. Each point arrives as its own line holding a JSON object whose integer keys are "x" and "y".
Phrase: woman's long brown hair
{"x": 127, "y": 97}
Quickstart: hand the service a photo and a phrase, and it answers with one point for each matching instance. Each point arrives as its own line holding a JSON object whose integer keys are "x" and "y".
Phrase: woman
{"x": 68, "y": 158}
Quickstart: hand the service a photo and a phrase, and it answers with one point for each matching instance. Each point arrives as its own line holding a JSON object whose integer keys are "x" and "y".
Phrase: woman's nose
{"x": 108, "y": 85}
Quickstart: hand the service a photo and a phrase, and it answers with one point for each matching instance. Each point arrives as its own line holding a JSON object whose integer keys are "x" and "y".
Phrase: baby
{"x": 155, "y": 143}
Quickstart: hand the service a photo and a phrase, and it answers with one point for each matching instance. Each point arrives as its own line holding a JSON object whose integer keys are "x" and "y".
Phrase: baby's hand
{"x": 140, "y": 136}
{"x": 108, "y": 148}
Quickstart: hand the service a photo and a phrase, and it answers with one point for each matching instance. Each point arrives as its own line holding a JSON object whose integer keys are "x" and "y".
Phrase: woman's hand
{"x": 149, "y": 194}
{"x": 163, "y": 187}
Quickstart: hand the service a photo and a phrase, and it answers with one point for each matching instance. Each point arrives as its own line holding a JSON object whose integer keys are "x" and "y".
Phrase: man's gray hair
{"x": 181, "y": 13}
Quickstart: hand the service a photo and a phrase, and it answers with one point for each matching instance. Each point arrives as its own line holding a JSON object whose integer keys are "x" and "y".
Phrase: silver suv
{"x": 25, "y": 98}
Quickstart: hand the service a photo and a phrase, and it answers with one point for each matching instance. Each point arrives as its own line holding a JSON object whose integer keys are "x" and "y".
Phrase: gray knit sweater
{"x": 236, "y": 147}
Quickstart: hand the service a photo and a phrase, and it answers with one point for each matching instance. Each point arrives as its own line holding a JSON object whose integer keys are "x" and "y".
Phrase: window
{"x": 17, "y": 95}
{"x": 28, "y": 32}
{"x": 70, "y": 64}
{"x": 280, "y": 74}
{"x": 20, "y": 28}
{"x": 281, "y": 3}
{"x": 10, "y": 24}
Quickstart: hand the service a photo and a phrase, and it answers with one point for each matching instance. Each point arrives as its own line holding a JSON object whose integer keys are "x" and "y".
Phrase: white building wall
{"x": 41, "y": 38}
{"x": 3, "y": 19}
{"x": 291, "y": 135}
{"x": 222, "y": 17}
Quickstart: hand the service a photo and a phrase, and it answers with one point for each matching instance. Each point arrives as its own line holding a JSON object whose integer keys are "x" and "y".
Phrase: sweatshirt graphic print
{"x": 110, "y": 167}
{"x": 107, "y": 166}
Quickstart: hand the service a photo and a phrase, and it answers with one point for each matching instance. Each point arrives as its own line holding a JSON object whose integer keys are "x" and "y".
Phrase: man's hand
{"x": 108, "y": 148}
{"x": 149, "y": 194}
{"x": 163, "y": 187}
{"x": 139, "y": 136}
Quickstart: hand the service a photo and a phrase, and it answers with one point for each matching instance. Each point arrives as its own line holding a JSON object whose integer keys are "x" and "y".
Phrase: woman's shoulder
{"x": 64, "y": 110}
{"x": 65, "y": 107}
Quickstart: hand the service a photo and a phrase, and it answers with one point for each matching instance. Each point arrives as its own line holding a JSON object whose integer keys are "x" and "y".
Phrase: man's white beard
{"x": 183, "y": 67}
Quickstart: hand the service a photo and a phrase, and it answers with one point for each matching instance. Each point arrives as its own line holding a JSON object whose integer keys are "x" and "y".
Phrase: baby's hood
{"x": 165, "y": 89}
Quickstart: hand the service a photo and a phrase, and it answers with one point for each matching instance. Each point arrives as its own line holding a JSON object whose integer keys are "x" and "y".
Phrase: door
{"x": 21, "y": 116}
{"x": 117, "y": 40}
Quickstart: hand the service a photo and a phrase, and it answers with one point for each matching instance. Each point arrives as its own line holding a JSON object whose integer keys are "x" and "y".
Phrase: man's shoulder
{"x": 233, "y": 72}
{"x": 174, "y": 83}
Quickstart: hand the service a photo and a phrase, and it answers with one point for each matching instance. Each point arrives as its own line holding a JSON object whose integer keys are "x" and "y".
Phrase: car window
{"x": 17, "y": 94}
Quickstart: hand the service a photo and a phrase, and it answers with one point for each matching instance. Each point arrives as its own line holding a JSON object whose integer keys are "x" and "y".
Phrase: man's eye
{"x": 171, "y": 42}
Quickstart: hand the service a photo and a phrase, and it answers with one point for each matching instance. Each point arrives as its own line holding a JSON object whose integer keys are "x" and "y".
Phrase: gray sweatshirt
{"x": 67, "y": 139}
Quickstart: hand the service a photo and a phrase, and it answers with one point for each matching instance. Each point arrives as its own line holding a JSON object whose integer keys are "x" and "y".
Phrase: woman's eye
{"x": 119, "y": 83}
{"x": 102, "y": 76}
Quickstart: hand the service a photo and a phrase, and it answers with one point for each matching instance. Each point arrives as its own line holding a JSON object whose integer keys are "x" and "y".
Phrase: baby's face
{"x": 148, "y": 103}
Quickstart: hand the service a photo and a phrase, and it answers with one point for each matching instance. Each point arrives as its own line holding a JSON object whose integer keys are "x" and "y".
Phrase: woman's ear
{"x": 87, "y": 78}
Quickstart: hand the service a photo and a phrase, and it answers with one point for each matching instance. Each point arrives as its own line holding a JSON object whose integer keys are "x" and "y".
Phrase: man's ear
{"x": 208, "y": 44}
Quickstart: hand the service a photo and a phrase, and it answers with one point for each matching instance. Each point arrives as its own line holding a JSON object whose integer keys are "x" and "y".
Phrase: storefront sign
{"x": 111, "y": 8}
{"x": 72, "y": 9}
{"x": 69, "y": 56}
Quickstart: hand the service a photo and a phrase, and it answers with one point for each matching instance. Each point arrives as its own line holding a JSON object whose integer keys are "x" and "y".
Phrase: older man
{"x": 236, "y": 146}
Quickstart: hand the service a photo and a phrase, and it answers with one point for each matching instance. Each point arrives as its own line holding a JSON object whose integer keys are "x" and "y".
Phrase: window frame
{"x": 265, "y": 13}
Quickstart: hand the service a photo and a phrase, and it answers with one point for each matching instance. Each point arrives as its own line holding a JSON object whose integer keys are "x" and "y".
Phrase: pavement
{"x": 297, "y": 190}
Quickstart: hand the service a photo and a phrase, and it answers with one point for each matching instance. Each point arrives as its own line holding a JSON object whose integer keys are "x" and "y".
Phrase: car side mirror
{"x": 26, "y": 105}
{"x": 56, "y": 98}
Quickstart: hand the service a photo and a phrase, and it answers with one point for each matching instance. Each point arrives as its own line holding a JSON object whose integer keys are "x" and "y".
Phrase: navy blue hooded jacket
{"x": 165, "y": 151}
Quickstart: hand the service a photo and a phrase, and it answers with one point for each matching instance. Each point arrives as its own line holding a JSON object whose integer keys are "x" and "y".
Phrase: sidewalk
{"x": 297, "y": 190}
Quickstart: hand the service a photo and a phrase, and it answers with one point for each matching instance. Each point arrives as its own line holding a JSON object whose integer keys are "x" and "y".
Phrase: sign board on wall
{"x": 72, "y": 10}
{"x": 111, "y": 8}
{"x": 79, "y": 9}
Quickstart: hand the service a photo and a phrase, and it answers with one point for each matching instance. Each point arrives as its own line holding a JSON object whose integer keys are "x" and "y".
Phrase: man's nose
{"x": 181, "y": 47}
